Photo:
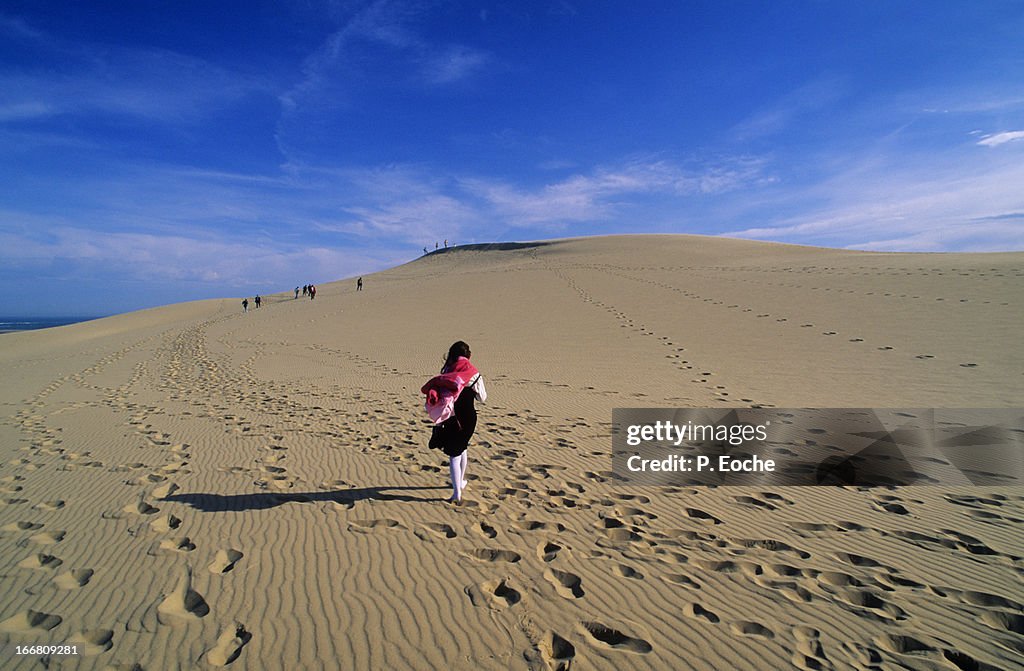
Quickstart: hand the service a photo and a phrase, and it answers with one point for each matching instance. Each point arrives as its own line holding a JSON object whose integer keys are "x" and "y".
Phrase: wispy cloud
{"x": 149, "y": 83}
{"x": 154, "y": 221}
{"x": 960, "y": 204}
{"x": 16, "y": 28}
{"x": 31, "y": 109}
{"x": 602, "y": 193}
{"x": 1001, "y": 138}
{"x": 209, "y": 258}
{"x": 789, "y": 108}
{"x": 454, "y": 63}
{"x": 413, "y": 59}
{"x": 416, "y": 221}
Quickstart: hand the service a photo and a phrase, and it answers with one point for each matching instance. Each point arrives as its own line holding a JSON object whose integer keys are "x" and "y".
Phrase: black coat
{"x": 452, "y": 435}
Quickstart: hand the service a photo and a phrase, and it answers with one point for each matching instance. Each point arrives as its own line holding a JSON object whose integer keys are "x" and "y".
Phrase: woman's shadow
{"x": 211, "y": 503}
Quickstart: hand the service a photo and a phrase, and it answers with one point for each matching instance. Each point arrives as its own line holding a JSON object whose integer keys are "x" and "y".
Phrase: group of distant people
{"x": 307, "y": 290}
{"x": 436, "y": 246}
{"x": 257, "y": 301}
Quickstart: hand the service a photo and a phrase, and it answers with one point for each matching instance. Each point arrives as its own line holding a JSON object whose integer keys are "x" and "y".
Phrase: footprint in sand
{"x": 41, "y": 561}
{"x": 628, "y": 572}
{"x": 987, "y": 600}
{"x": 431, "y": 530}
{"x": 140, "y": 507}
{"x": 621, "y": 535}
{"x": 29, "y": 621}
{"x": 613, "y": 638}
{"x": 568, "y": 585}
{"x": 165, "y": 490}
{"x": 681, "y": 579}
{"x": 165, "y": 523}
{"x": 753, "y": 502}
{"x": 772, "y": 545}
{"x": 836, "y": 579}
{"x": 902, "y": 644}
{"x": 229, "y": 645}
{"x": 701, "y": 516}
{"x": 183, "y": 604}
{"x": 547, "y": 551}
{"x": 1002, "y": 621}
{"x": 93, "y": 642}
{"x": 496, "y": 594}
{"x": 808, "y": 651}
{"x": 697, "y": 611}
{"x": 890, "y": 507}
{"x": 537, "y": 525}
{"x": 858, "y": 560}
{"x": 225, "y": 560}
{"x": 373, "y": 525}
{"x": 183, "y": 544}
{"x": 74, "y": 579}
{"x": 877, "y": 608}
{"x": 492, "y": 555}
{"x": 718, "y": 566}
{"x": 21, "y": 526}
{"x": 48, "y": 537}
{"x": 748, "y": 628}
{"x": 557, "y": 652}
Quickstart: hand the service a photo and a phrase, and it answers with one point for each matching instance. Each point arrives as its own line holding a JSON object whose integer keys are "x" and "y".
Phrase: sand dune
{"x": 193, "y": 487}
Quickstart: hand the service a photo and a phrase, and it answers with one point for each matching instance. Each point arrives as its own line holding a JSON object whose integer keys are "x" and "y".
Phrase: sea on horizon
{"x": 11, "y": 324}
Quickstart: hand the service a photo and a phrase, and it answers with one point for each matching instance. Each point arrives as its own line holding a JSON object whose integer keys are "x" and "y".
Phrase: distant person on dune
{"x": 296, "y": 293}
{"x": 450, "y": 403}
{"x": 258, "y": 301}
{"x": 359, "y": 284}
{"x": 312, "y": 291}
{"x": 245, "y": 305}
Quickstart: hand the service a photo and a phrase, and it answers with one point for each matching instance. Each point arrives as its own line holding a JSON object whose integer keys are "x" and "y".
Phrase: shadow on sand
{"x": 213, "y": 503}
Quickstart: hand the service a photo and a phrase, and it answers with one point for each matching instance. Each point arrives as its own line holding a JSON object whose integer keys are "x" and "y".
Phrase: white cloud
{"x": 453, "y": 63}
{"x": 601, "y": 194}
{"x": 153, "y": 84}
{"x": 1001, "y": 138}
{"x": 773, "y": 119}
{"x": 408, "y": 57}
{"x": 206, "y": 257}
{"x": 19, "y": 111}
{"x": 416, "y": 221}
{"x": 925, "y": 205}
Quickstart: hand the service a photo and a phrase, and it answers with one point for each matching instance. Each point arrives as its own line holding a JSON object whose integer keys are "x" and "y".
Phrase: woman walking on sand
{"x": 450, "y": 403}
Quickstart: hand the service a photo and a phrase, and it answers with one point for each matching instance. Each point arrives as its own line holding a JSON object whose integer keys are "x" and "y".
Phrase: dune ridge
{"x": 190, "y": 485}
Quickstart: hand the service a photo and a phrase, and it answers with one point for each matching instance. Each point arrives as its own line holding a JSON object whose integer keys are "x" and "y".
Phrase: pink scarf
{"x": 443, "y": 389}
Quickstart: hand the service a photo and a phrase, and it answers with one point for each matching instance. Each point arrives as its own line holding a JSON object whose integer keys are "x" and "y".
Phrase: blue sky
{"x": 158, "y": 152}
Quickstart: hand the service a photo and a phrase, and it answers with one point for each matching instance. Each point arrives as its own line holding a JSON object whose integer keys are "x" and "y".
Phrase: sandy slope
{"x": 190, "y": 487}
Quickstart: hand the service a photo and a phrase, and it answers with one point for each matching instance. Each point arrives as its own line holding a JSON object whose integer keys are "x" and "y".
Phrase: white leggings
{"x": 458, "y": 471}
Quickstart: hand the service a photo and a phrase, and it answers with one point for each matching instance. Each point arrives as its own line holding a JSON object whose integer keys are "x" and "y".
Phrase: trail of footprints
{"x": 618, "y": 271}
{"x": 45, "y": 445}
{"x": 703, "y": 377}
{"x": 682, "y": 558}
{"x": 629, "y": 543}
